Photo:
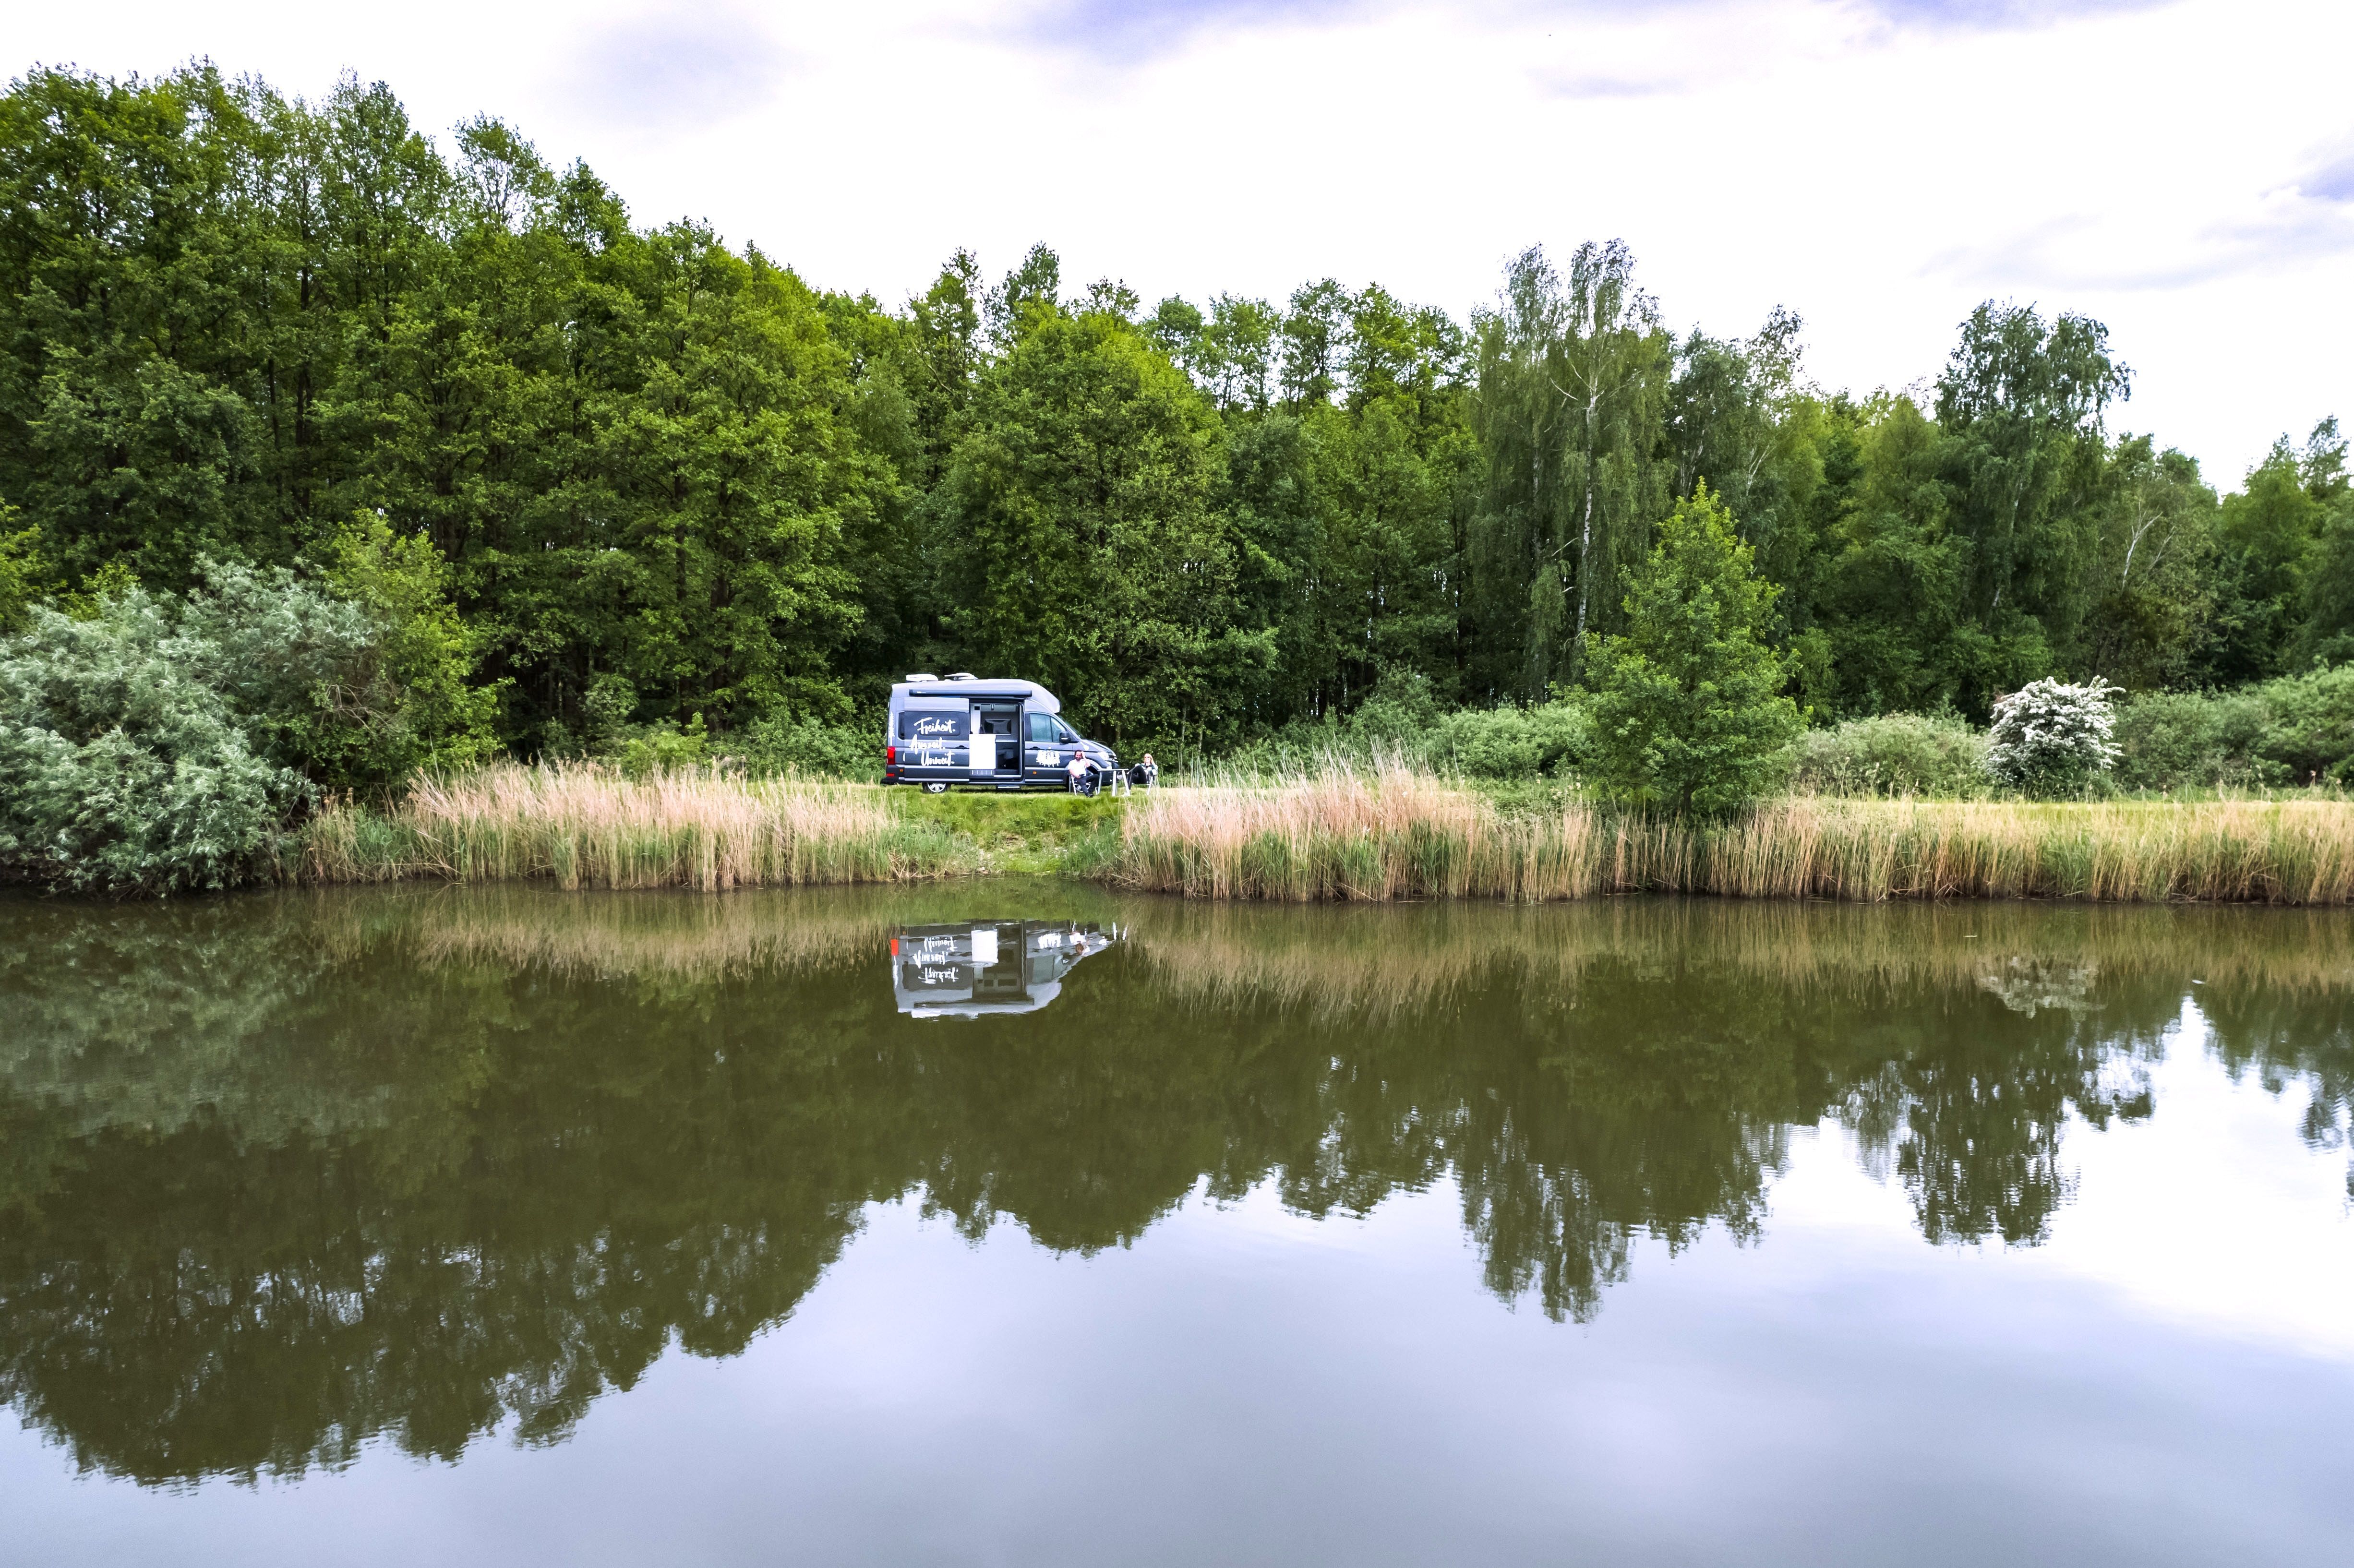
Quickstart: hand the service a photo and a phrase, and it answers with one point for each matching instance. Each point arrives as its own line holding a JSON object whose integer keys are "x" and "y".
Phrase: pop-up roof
{"x": 1038, "y": 698}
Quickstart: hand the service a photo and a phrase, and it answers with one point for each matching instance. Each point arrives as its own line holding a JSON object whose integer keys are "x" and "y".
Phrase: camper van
{"x": 984, "y": 734}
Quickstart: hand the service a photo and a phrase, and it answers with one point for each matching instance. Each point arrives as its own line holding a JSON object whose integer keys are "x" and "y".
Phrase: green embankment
{"x": 1023, "y": 832}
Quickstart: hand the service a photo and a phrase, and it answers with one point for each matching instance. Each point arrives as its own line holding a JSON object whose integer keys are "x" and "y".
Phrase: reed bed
{"x": 1396, "y": 833}
{"x": 586, "y": 827}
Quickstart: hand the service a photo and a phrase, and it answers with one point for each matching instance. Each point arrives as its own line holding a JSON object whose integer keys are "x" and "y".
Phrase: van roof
{"x": 1030, "y": 692}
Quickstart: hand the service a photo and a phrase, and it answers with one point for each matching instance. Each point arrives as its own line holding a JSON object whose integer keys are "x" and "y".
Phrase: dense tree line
{"x": 666, "y": 479}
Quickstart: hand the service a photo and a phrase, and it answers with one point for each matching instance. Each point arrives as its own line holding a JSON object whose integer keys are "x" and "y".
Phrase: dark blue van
{"x": 985, "y": 734}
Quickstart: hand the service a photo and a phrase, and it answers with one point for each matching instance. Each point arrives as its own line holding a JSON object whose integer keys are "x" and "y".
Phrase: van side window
{"x": 933, "y": 725}
{"x": 1042, "y": 729}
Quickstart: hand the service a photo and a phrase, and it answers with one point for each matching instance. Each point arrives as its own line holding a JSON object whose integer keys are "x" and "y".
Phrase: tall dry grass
{"x": 586, "y": 827}
{"x": 1396, "y": 833}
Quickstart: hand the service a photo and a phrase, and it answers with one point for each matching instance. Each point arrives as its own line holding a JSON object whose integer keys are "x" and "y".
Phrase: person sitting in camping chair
{"x": 1083, "y": 774}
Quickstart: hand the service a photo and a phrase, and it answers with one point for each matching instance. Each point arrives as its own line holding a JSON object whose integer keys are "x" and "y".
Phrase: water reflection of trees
{"x": 277, "y": 1176}
{"x": 2293, "y": 1038}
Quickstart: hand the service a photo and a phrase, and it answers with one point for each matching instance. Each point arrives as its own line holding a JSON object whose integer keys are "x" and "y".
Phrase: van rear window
{"x": 933, "y": 725}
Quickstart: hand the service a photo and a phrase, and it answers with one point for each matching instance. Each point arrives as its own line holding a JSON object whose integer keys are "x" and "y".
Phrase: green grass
{"x": 1022, "y": 832}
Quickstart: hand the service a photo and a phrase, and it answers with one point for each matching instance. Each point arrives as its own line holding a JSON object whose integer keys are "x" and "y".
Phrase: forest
{"x": 603, "y": 478}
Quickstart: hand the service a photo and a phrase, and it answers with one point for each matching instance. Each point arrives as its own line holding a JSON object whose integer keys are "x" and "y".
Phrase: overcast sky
{"x": 2184, "y": 172}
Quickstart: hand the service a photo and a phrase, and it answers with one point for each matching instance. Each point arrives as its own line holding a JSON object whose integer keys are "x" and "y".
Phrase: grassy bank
{"x": 582, "y": 827}
{"x": 1355, "y": 835}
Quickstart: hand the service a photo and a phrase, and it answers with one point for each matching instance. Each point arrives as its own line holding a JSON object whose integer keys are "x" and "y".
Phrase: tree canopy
{"x": 660, "y": 476}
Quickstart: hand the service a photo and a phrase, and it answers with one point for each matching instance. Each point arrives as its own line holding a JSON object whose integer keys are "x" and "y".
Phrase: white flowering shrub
{"x": 2049, "y": 738}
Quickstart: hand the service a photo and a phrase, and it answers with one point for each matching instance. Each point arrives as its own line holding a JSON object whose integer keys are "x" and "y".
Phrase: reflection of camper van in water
{"x": 982, "y": 968}
{"x": 989, "y": 734}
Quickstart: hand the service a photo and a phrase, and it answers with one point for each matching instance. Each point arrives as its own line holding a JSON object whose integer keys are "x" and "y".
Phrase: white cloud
{"x": 2179, "y": 170}
{"x": 698, "y": 71}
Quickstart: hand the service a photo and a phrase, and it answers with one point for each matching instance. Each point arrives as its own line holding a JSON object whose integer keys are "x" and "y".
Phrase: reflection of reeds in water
{"x": 1400, "y": 958}
{"x": 1404, "y": 957}
{"x": 585, "y": 827}
{"x": 670, "y": 936}
{"x": 703, "y": 938}
{"x": 1399, "y": 834}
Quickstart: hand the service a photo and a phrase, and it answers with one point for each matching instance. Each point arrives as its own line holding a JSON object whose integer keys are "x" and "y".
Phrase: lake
{"x": 1015, "y": 1222}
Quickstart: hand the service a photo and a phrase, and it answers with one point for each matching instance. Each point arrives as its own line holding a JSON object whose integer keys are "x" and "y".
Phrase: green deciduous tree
{"x": 2265, "y": 536}
{"x": 1572, "y": 376}
{"x": 2327, "y": 632}
{"x": 1077, "y": 536}
{"x": 2150, "y": 600}
{"x": 22, "y": 570}
{"x": 2021, "y": 406}
{"x": 408, "y": 701}
{"x": 1687, "y": 709}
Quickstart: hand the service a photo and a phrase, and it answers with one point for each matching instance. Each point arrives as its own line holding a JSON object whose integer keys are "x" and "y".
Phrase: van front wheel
{"x": 936, "y": 788}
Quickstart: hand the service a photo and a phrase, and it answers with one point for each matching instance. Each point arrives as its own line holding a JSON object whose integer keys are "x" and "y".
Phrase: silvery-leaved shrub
{"x": 124, "y": 765}
{"x": 166, "y": 741}
{"x": 2050, "y": 737}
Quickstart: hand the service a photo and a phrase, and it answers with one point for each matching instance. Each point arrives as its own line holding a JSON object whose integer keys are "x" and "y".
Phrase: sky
{"x": 2183, "y": 172}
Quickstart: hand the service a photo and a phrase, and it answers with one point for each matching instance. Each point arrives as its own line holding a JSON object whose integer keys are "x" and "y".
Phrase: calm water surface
{"x": 1020, "y": 1225}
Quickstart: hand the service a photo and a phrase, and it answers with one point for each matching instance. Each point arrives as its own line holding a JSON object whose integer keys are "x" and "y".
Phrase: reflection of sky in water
{"x": 2211, "y": 1214}
{"x": 1624, "y": 1250}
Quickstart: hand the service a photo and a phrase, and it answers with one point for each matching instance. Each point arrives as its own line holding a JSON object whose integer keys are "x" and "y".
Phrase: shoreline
{"x": 1329, "y": 838}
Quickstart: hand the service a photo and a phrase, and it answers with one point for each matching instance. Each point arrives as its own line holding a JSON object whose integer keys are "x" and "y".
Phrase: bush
{"x": 1402, "y": 719}
{"x": 2296, "y": 730}
{"x": 1893, "y": 754}
{"x": 2049, "y": 738}
{"x": 124, "y": 764}
{"x": 1509, "y": 742}
{"x": 150, "y": 743}
{"x": 806, "y": 746}
{"x": 358, "y": 677}
{"x": 2308, "y": 733}
{"x": 2192, "y": 740}
{"x": 648, "y": 750}
{"x": 407, "y": 702}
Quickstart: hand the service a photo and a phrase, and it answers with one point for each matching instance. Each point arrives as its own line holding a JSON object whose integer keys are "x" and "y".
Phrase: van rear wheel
{"x": 936, "y": 788}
